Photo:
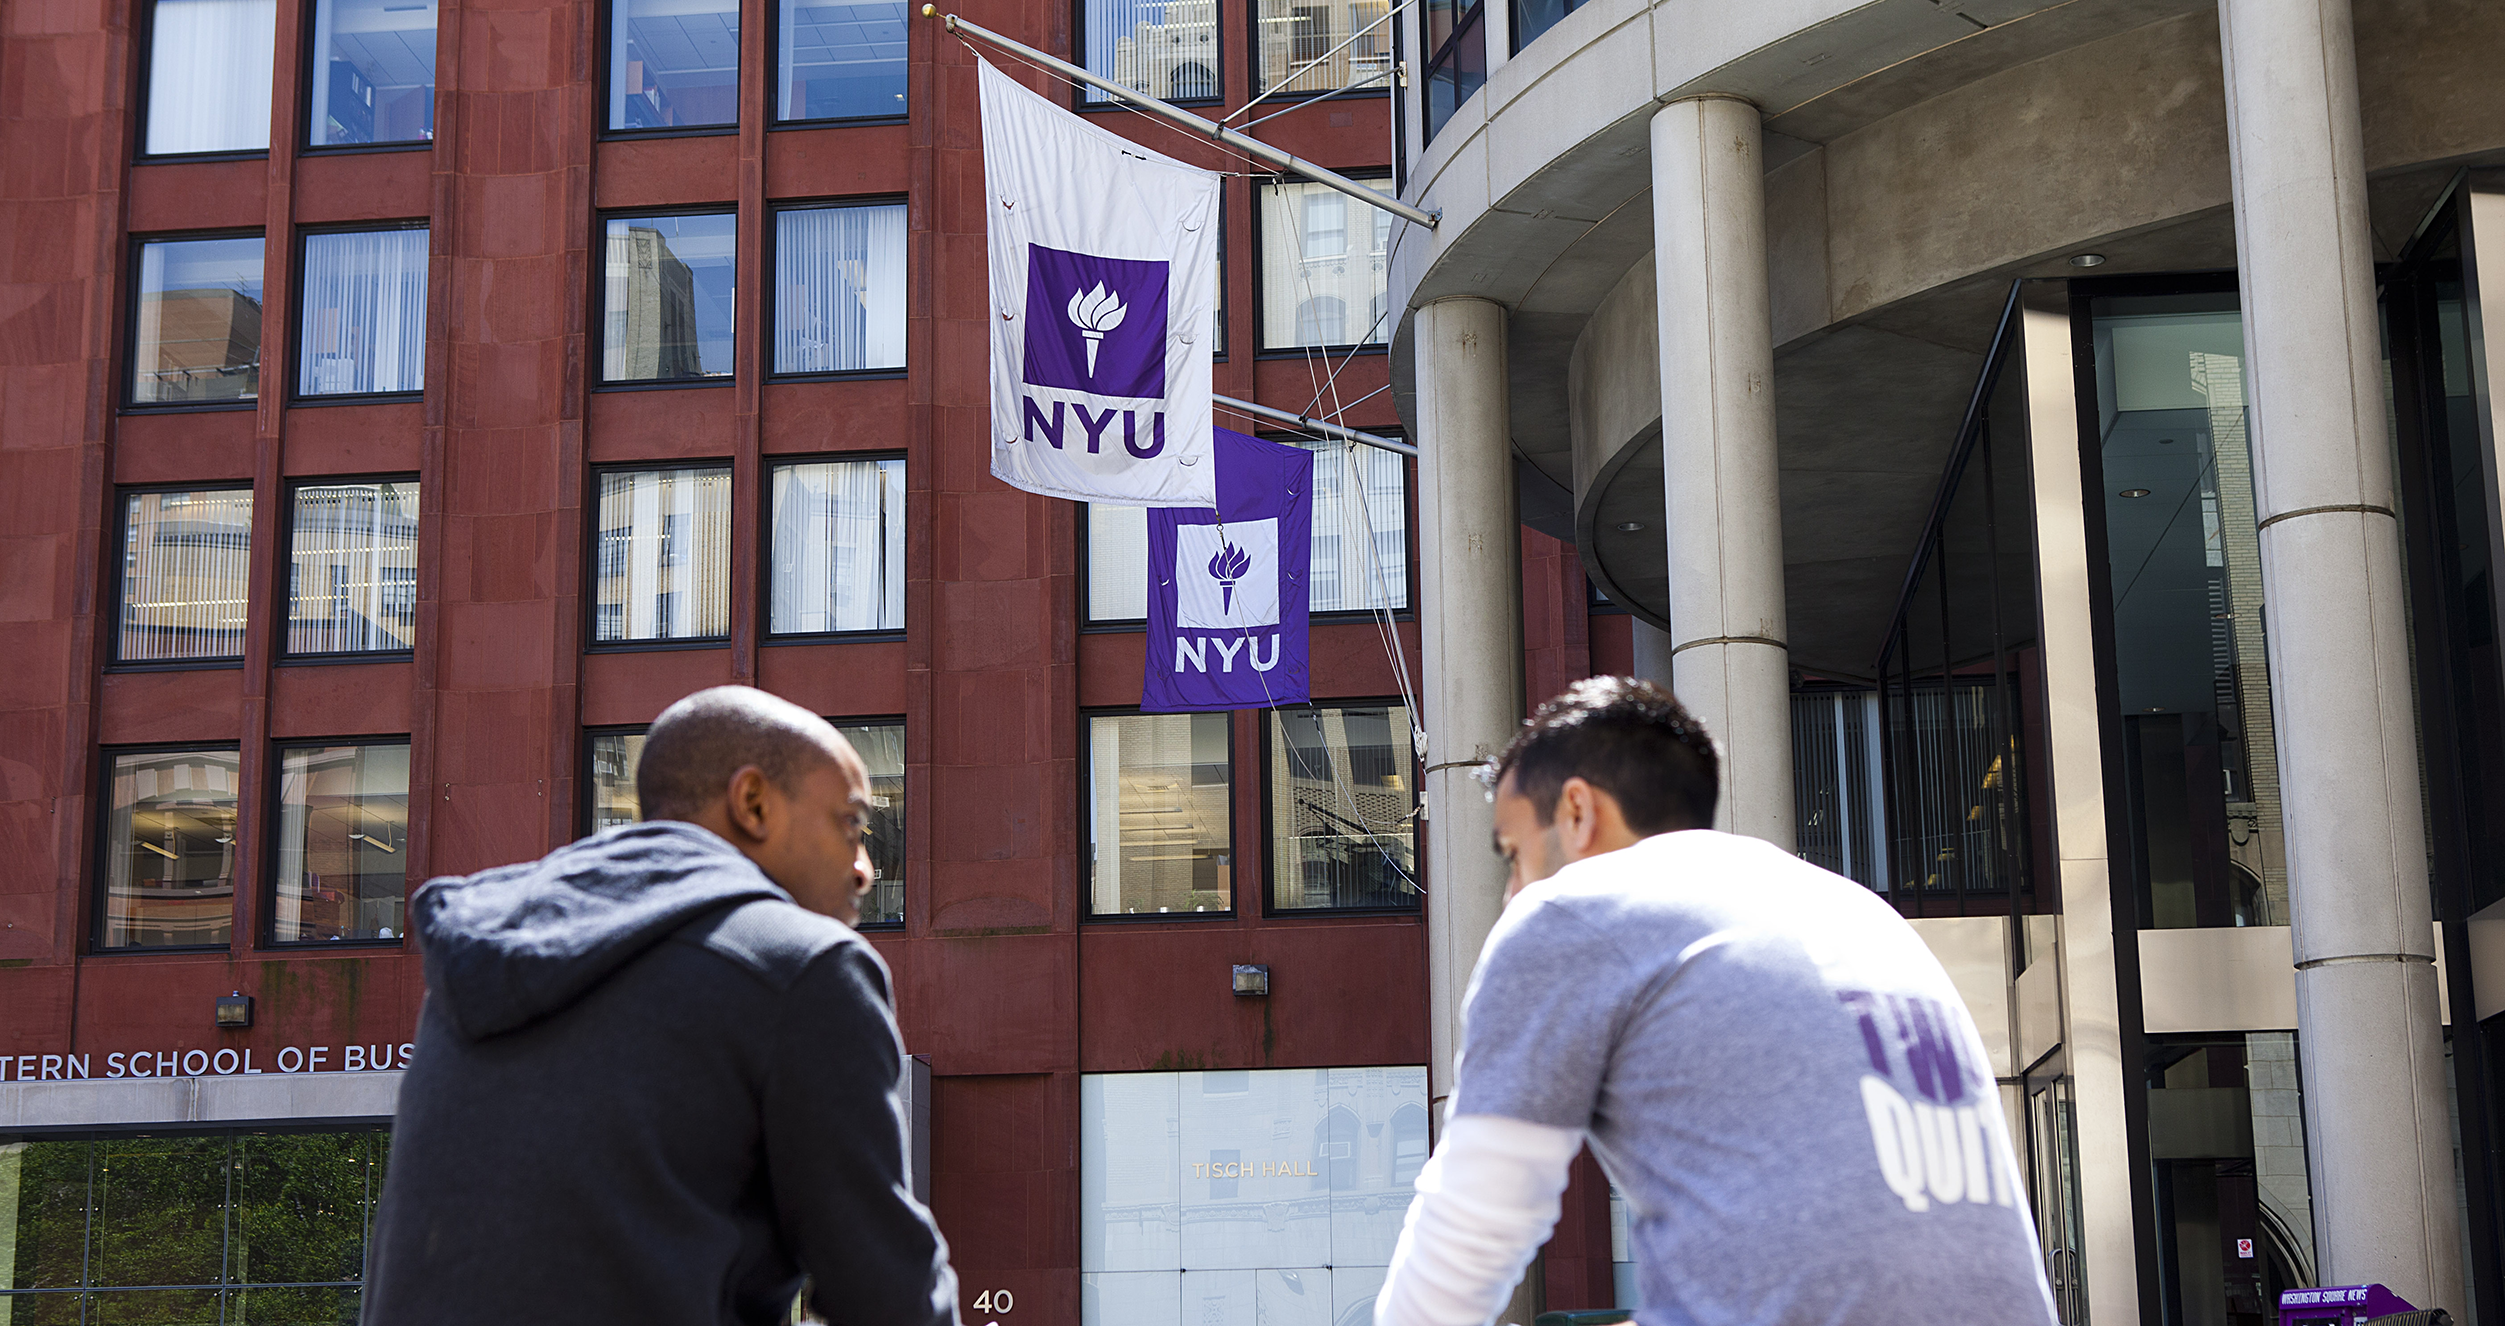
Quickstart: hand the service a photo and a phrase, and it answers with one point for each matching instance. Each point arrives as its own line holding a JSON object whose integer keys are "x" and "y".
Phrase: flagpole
{"x": 1249, "y": 146}
{"x": 1313, "y": 425}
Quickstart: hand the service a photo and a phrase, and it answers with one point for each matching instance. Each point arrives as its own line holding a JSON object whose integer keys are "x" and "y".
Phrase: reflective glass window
{"x": 882, "y": 748}
{"x": 1458, "y": 69}
{"x": 1271, "y": 1195}
{"x": 1322, "y": 47}
{"x": 343, "y": 836}
{"x": 839, "y": 288}
{"x": 185, "y": 560}
{"x": 662, "y": 570}
{"x": 612, "y": 796}
{"x": 2200, "y": 754}
{"x": 198, "y": 331}
{"x": 1325, "y": 264}
{"x": 169, "y": 848}
{"x": 839, "y": 547}
{"x": 1158, "y": 802}
{"x": 2226, "y": 1145}
{"x": 842, "y": 61}
{"x": 352, "y": 568}
{"x": 1117, "y": 563}
{"x": 667, "y": 298}
{"x": 673, "y": 63}
{"x": 209, "y": 64}
{"x": 1343, "y": 808}
{"x": 373, "y": 72}
{"x": 363, "y": 326}
{"x": 196, "y": 1228}
{"x": 1165, "y": 48}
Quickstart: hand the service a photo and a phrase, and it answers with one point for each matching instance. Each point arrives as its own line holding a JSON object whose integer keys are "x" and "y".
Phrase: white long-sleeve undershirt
{"x": 1486, "y": 1201}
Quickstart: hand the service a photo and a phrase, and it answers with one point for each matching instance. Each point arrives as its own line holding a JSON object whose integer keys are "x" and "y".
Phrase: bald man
{"x": 656, "y": 1072}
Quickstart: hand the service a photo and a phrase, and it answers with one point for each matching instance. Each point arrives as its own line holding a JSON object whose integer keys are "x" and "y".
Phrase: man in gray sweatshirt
{"x": 655, "y": 1077}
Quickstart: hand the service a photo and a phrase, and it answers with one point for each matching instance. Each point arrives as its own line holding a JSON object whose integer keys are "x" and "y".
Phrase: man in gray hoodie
{"x": 655, "y": 1077}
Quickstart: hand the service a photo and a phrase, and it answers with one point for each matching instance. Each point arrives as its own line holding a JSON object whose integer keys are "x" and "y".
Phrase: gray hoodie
{"x": 648, "y": 1088}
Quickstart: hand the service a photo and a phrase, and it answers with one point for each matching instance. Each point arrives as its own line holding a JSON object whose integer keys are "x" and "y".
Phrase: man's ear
{"x": 746, "y": 801}
{"x": 1578, "y": 815}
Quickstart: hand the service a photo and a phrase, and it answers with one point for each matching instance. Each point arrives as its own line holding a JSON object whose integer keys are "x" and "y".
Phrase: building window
{"x": 352, "y": 568}
{"x": 169, "y": 849}
{"x": 666, "y": 303}
{"x": 185, "y": 559}
{"x": 2226, "y": 1144}
{"x": 1310, "y": 47}
{"x": 1158, "y": 801}
{"x": 1165, "y": 48}
{"x": 882, "y": 748}
{"x": 209, "y": 64}
{"x": 1360, "y": 505}
{"x": 363, "y": 324}
{"x": 841, "y": 61}
{"x": 1325, "y": 264}
{"x": 673, "y": 64}
{"x": 663, "y": 566}
{"x": 197, "y": 336}
{"x": 1533, "y": 17}
{"x": 343, "y": 840}
{"x": 839, "y": 547}
{"x": 1269, "y": 1195}
{"x": 839, "y": 288}
{"x": 1456, "y": 34}
{"x": 613, "y": 801}
{"x": 1360, "y": 527}
{"x": 373, "y": 72}
{"x": 257, "y": 1226}
{"x": 1343, "y": 806}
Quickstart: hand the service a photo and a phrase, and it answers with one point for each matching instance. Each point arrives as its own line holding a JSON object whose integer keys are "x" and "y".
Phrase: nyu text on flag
{"x": 1104, "y": 280}
{"x": 1229, "y": 599}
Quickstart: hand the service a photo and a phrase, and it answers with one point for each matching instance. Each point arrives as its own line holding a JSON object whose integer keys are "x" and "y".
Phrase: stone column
{"x": 1652, "y": 652}
{"x": 1722, "y": 502}
{"x": 2372, "y": 1046}
{"x": 1470, "y": 624}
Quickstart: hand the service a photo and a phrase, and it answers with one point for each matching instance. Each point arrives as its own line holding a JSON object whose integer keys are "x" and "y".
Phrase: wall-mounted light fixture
{"x": 234, "y": 1010}
{"x": 1629, "y": 526}
{"x": 2087, "y": 260}
{"x": 2135, "y": 492}
{"x": 1251, "y": 980}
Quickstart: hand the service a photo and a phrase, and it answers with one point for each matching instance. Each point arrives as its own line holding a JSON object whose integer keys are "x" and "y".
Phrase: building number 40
{"x": 995, "y": 1300}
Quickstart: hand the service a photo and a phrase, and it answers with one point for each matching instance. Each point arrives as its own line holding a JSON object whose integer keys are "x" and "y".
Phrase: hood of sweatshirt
{"x": 507, "y": 947}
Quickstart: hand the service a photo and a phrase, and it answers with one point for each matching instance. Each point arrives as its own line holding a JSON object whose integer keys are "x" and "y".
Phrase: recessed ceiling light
{"x": 1629, "y": 526}
{"x": 2087, "y": 260}
{"x": 2135, "y": 492}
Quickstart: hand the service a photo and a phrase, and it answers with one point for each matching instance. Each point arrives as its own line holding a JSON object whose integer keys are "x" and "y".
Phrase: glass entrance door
{"x": 2053, "y": 1165}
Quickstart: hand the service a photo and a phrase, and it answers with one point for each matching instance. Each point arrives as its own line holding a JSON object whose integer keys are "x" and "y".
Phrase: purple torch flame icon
{"x": 1227, "y": 567}
{"x": 1095, "y": 312}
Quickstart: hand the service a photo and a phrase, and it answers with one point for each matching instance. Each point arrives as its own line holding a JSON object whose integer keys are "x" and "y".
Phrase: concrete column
{"x": 1729, "y": 660}
{"x": 1470, "y": 624}
{"x": 2374, "y": 1079}
{"x": 1652, "y": 652}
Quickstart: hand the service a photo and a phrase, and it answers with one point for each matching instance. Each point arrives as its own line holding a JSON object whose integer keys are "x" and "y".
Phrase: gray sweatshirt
{"x": 648, "y": 1087}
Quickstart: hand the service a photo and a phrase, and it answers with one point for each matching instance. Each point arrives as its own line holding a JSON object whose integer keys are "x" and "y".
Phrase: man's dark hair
{"x": 1628, "y": 738}
{"x": 697, "y": 744}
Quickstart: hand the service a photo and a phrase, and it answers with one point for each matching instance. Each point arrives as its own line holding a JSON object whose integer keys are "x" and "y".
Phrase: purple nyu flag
{"x": 1228, "y": 603}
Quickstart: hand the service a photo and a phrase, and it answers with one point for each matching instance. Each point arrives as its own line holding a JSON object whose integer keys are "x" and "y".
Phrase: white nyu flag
{"x": 1104, "y": 280}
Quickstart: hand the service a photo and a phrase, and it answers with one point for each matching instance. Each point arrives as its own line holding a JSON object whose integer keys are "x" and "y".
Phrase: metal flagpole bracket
{"x": 1249, "y": 146}
{"x": 1312, "y": 425}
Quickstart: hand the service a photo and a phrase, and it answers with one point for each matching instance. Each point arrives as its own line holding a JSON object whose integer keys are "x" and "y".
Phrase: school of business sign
{"x": 192, "y": 1061}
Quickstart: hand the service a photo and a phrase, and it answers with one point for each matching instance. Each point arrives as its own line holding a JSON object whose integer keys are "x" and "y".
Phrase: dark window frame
{"x": 127, "y": 394}
{"x": 100, "y": 889}
{"x": 774, "y": 120}
{"x": 1262, "y": 349}
{"x": 281, "y": 656}
{"x": 597, "y": 342}
{"x": 1079, "y": 95}
{"x": 265, "y": 897}
{"x": 904, "y": 853}
{"x": 772, "y": 239}
{"x": 764, "y": 588}
{"x": 120, "y": 577}
{"x": 296, "y": 397}
{"x": 1408, "y": 610}
{"x": 144, "y": 80}
{"x": 604, "y": 53}
{"x": 1270, "y": 910}
{"x": 1086, "y": 763}
{"x": 585, "y": 804}
{"x": 592, "y": 643}
{"x": 1252, "y": 63}
{"x": 306, "y": 111}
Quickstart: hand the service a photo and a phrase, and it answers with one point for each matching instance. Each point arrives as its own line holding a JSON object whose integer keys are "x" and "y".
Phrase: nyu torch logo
{"x": 1226, "y": 583}
{"x": 1095, "y": 328}
{"x": 1227, "y": 567}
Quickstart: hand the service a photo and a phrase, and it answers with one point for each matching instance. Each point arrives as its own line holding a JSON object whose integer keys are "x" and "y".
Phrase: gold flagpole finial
{"x": 930, "y": 11}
